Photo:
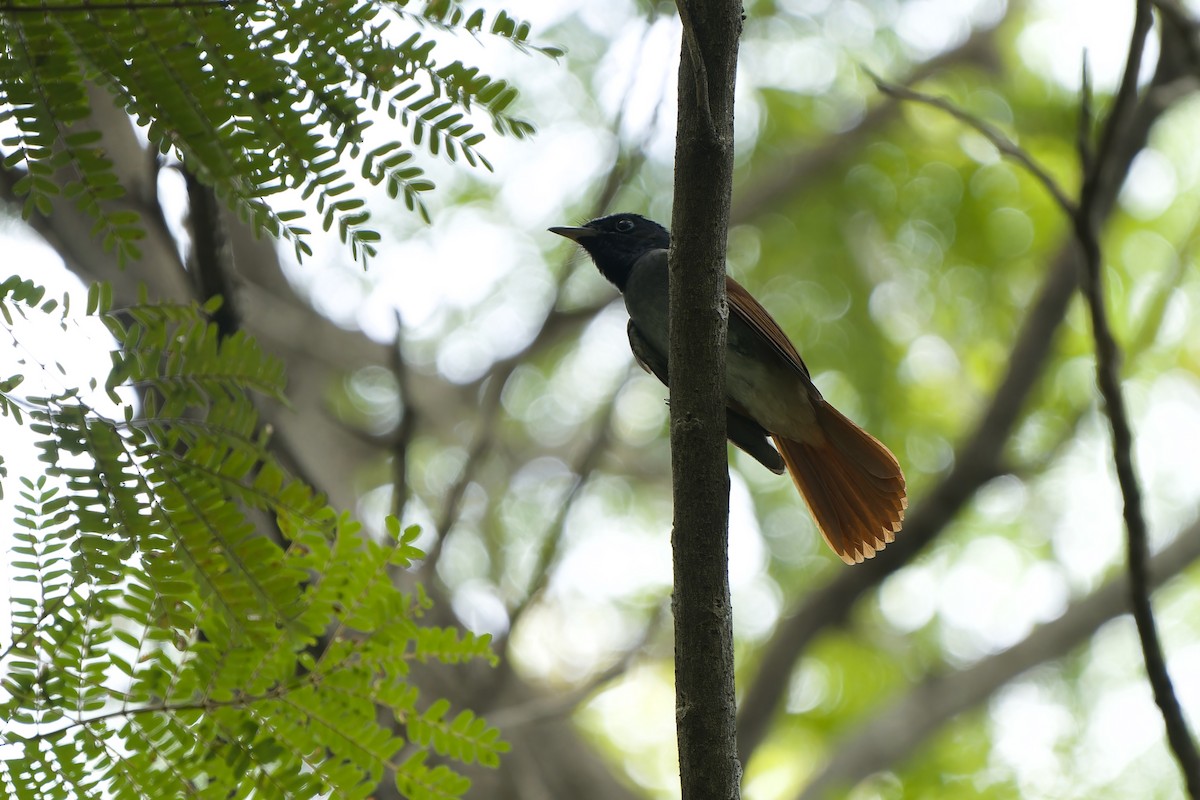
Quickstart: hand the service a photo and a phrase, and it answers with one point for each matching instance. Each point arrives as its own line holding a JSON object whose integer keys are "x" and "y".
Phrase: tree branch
{"x": 555, "y": 324}
{"x": 785, "y": 176}
{"x": 211, "y": 260}
{"x": 704, "y": 673}
{"x": 584, "y": 464}
{"x": 120, "y": 6}
{"x": 1108, "y": 377}
{"x": 979, "y": 459}
{"x": 406, "y": 428}
{"x": 543, "y": 708}
{"x": 903, "y": 726}
{"x": 1001, "y": 142}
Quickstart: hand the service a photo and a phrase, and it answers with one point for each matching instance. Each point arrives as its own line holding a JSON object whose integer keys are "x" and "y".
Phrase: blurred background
{"x": 477, "y": 379}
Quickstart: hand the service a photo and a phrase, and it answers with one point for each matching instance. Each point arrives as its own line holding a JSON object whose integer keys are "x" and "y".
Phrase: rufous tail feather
{"x": 852, "y": 483}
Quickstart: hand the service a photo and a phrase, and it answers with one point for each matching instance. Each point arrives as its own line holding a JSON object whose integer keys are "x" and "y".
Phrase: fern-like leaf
{"x": 254, "y": 98}
{"x": 190, "y": 615}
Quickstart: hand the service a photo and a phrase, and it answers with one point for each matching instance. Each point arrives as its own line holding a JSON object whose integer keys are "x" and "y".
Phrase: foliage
{"x": 254, "y": 98}
{"x": 904, "y": 257}
{"x": 162, "y": 642}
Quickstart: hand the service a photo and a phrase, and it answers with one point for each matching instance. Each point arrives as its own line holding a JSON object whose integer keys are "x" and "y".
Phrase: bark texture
{"x": 705, "y": 704}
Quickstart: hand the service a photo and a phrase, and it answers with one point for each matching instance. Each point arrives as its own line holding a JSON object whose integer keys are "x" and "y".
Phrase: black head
{"x": 617, "y": 241}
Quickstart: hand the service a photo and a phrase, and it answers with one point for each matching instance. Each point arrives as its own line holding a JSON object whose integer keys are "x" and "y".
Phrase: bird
{"x": 851, "y": 482}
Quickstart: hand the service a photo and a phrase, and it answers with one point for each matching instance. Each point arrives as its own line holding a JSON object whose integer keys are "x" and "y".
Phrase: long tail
{"x": 852, "y": 484}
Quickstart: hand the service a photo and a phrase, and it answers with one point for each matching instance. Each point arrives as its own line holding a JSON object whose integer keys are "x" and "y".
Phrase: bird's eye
{"x": 624, "y": 225}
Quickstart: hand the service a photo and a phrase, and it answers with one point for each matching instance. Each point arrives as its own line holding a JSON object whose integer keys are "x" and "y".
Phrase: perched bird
{"x": 852, "y": 483}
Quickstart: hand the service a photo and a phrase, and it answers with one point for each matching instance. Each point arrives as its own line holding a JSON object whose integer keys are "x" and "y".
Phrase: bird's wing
{"x": 741, "y": 430}
{"x": 751, "y": 312}
{"x": 645, "y": 355}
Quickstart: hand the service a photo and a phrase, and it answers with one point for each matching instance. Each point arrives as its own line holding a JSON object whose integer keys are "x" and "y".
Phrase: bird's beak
{"x": 574, "y": 234}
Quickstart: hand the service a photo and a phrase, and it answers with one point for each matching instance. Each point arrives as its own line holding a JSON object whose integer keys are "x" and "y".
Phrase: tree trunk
{"x": 705, "y": 704}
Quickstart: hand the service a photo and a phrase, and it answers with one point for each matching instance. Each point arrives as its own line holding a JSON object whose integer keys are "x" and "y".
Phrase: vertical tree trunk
{"x": 705, "y": 705}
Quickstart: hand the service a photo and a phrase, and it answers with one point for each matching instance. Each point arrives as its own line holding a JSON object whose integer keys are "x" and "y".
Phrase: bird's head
{"x": 617, "y": 241}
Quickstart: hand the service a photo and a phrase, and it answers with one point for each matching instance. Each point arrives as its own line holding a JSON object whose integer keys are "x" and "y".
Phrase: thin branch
{"x": 543, "y": 708}
{"x": 1144, "y": 333}
{"x": 125, "y": 5}
{"x": 1083, "y": 135}
{"x": 452, "y": 503}
{"x": 583, "y": 467}
{"x": 1123, "y": 106}
{"x": 213, "y": 272}
{"x": 1180, "y": 22}
{"x": 979, "y": 459}
{"x": 211, "y": 260}
{"x": 988, "y": 131}
{"x": 976, "y": 462}
{"x": 489, "y": 413}
{"x": 555, "y": 323}
{"x": 407, "y": 426}
{"x": 1108, "y": 377}
{"x": 901, "y": 727}
{"x": 784, "y": 177}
